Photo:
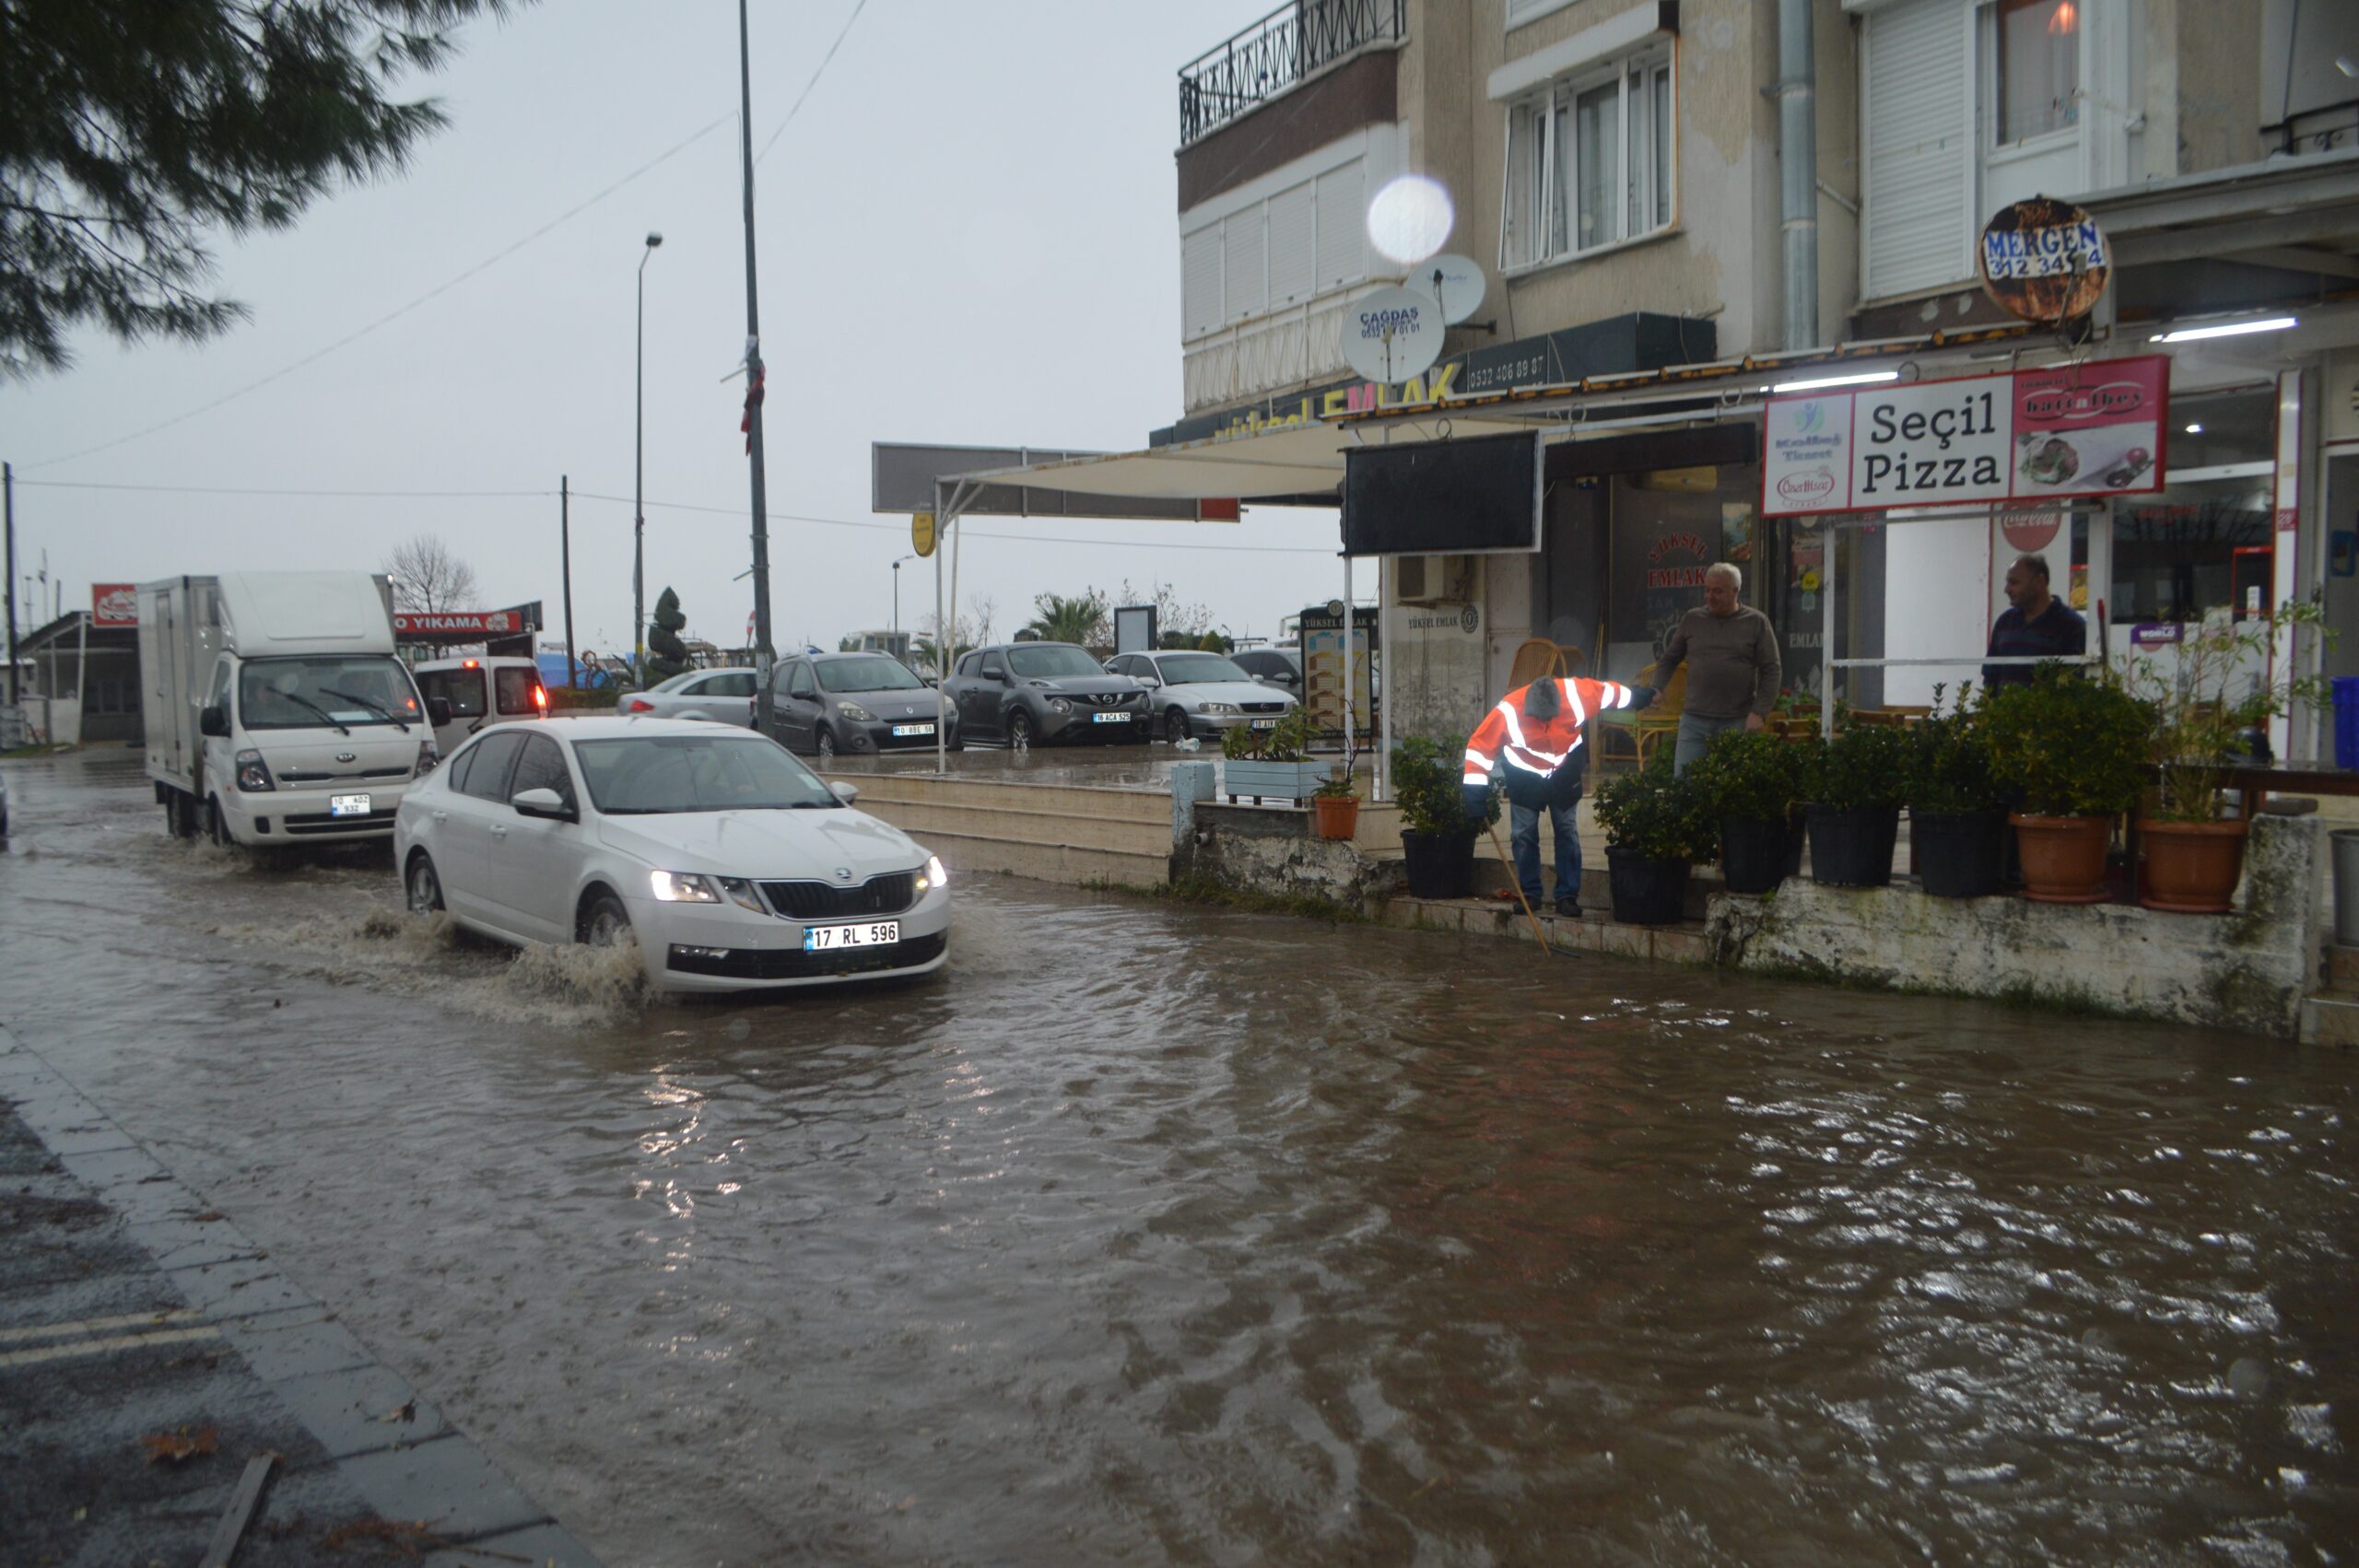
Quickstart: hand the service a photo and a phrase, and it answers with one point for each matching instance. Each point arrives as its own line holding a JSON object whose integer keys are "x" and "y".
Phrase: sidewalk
{"x": 133, "y": 1319}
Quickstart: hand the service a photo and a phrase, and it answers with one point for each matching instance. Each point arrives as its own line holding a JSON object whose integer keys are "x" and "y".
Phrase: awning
{"x": 1295, "y": 461}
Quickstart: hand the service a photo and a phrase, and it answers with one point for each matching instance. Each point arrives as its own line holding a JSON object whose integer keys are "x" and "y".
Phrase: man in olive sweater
{"x": 1732, "y": 665}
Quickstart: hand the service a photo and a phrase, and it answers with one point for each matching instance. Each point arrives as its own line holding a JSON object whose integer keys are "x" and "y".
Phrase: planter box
{"x": 1271, "y": 780}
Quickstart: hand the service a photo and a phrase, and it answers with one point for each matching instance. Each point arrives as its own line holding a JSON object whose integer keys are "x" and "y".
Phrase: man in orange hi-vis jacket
{"x": 1533, "y": 742}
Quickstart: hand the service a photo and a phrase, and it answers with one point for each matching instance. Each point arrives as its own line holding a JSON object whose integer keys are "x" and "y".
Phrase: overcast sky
{"x": 967, "y": 236}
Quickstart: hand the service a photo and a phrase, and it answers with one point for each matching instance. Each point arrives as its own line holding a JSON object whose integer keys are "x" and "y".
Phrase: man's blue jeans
{"x": 1523, "y": 834}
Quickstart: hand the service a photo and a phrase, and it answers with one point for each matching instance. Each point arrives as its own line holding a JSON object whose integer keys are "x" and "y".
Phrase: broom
{"x": 1504, "y": 859}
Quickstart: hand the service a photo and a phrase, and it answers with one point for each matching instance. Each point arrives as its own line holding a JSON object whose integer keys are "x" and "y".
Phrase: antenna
{"x": 1392, "y": 334}
{"x": 1456, "y": 281}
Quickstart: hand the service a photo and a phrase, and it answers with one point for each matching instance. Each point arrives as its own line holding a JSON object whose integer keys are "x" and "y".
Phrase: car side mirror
{"x": 438, "y": 711}
{"x": 934, "y": 681}
{"x": 844, "y": 791}
{"x": 213, "y": 721}
{"x": 543, "y": 803}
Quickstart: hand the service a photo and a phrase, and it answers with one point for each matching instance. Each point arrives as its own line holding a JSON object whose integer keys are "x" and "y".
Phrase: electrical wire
{"x": 814, "y": 82}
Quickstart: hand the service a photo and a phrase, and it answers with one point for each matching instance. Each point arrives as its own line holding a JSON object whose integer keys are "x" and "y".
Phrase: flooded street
{"x": 1158, "y": 1235}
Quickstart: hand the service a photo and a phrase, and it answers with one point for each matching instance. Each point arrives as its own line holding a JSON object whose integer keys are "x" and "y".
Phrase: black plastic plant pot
{"x": 1754, "y": 855}
{"x": 1852, "y": 848}
{"x": 1647, "y": 891}
{"x": 1797, "y": 838}
{"x": 1959, "y": 854}
{"x": 1440, "y": 865}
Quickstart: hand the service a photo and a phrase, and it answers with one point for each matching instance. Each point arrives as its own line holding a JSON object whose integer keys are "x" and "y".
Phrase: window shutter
{"x": 1200, "y": 281}
{"x": 1293, "y": 266}
{"x": 1914, "y": 231}
{"x": 1343, "y": 226}
{"x": 1245, "y": 277}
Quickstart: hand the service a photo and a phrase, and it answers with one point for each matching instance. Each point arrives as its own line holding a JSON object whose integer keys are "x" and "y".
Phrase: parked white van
{"x": 276, "y": 710}
{"x": 484, "y": 690}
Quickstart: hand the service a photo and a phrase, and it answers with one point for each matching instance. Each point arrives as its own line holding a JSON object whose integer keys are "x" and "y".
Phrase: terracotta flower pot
{"x": 1335, "y": 816}
{"x": 2063, "y": 856}
{"x": 2192, "y": 867}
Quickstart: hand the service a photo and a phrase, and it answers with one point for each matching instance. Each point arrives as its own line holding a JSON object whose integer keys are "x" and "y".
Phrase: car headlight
{"x": 1059, "y": 705}
{"x": 855, "y": 712}
{"x": 254, "y": 774}
{"x": 740, "y": 892}
{"x": 426, "y": 759}
{"x": 682, "y": 887}
{"x": 1229, "y": 708}
{"x": 934, "y": 875}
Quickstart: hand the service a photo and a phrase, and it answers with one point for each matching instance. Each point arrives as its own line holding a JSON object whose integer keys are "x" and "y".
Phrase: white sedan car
{"x": 731, "y": 863}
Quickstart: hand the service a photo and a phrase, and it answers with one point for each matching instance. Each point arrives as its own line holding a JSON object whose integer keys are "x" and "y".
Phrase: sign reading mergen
{"x": 2088, "y": 429}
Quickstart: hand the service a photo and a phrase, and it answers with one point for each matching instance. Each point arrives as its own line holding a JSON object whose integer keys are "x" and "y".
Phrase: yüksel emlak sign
{"x": 2089, "y": 429}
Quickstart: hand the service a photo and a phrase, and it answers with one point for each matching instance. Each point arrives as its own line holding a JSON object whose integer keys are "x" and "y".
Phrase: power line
{"x": 665, "y": 506}
{"x": 394, "y": 315}
{"x": 814, "y": 82}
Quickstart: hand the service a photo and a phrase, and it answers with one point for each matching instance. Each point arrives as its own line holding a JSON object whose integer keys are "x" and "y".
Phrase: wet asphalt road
{"x": 1157, "y": 1235}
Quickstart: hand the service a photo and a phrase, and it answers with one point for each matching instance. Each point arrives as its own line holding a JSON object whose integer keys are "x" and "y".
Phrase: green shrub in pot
{"x": 2066, "y": 746}
{"x": 1426, "y": 775}
{"x": 1751, "y": 785}
{"x": 1957, "y": 828}
{"x": 1864, "y": 767}
{"x": 1657, "y": 814}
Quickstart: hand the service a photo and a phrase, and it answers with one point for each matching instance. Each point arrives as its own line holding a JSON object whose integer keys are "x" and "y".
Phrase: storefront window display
{"x": 2203, "y": 543}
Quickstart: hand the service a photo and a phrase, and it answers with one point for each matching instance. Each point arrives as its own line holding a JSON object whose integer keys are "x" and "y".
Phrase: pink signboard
{"x": 2095, "y": 429}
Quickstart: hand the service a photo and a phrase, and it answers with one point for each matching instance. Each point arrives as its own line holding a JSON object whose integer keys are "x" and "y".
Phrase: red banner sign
{"x": 447, "y": 624}
{"x": 114, "y": 605}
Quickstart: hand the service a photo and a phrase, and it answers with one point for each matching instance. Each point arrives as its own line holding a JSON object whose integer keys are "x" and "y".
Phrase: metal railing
{"x": 1280, "y": 50}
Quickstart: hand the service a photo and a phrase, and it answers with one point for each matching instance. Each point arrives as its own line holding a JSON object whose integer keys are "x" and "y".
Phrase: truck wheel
{"x": 424, "y": 887}
{"x": 217, "y": 829}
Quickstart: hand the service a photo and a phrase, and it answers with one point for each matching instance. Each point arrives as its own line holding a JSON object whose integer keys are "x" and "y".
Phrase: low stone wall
{"x": 1265, "y": 851}
{"x": 2246, "y": 970}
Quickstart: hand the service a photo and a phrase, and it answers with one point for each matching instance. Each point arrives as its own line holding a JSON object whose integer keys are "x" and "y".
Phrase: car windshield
{"x": 332, "y": 689}
{"x": 652, "y": 775}
{"x": 867, "y": 675}
{"x": 1180, "y": 669}
{"x": 1051, "y": 662}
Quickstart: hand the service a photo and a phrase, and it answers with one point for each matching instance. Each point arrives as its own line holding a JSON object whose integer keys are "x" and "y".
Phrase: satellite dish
{"x": 1454, "y": 280}
{"x": 1392, "y": 334}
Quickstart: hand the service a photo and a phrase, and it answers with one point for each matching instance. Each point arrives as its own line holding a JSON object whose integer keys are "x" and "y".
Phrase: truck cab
{"x": 277, "y": 713}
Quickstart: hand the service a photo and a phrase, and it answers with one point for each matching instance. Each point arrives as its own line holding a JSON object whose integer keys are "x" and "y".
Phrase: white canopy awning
{"x": 1293, "y": 460}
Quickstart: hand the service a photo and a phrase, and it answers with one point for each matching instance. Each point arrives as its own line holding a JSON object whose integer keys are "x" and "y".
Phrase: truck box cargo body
{"x": 276, "y": 710}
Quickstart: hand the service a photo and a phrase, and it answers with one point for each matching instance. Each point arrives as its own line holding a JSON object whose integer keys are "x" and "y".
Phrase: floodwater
{"x": 1147, "y": 1233}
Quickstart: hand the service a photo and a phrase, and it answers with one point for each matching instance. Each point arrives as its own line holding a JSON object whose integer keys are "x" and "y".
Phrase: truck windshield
{"x": 305, "y": 694}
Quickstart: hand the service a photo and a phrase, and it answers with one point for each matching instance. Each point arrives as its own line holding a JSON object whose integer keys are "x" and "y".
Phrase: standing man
{"x": 2036, "y": 624}
{"x": 1732, "y": 665}
{"x": 1532, "y": 742}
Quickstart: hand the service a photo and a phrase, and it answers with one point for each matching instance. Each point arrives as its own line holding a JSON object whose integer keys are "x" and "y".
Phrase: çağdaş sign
{"x": 2088, "y": 429}
{"x": 2044, "y": 261}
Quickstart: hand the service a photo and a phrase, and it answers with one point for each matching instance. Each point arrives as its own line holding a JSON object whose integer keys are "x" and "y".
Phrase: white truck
{"x": 277, "y": 713}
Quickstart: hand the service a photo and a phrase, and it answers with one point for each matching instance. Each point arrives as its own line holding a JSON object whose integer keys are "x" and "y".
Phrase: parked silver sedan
{"x": 1202, "y": 693}
{"x": 725, "y": 697}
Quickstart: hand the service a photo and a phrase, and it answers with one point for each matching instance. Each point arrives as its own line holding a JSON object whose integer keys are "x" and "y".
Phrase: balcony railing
{"x": 1283, "y": 48}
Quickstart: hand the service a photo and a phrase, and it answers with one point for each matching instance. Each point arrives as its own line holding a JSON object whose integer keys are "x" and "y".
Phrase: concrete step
{"x": 922, "y": 819}
{"x": 1066, "y": 863}
{"x": 1140, "y": 805}
{"x": 2342, "y": 969}
{"x": 2330, "y": 1020}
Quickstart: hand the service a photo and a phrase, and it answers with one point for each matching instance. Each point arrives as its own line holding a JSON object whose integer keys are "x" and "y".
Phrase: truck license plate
{"x": 347, "y": 806}
{"x": 1111, "y": 717}
{"x": 829, "y": 938}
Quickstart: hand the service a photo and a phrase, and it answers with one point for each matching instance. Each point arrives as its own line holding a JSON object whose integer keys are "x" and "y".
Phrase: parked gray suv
{"x": 1045, "y": 693}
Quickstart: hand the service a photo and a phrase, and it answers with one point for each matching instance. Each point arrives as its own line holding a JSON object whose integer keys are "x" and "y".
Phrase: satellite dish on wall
{"x": 1454, "y": 280}
{"x": 1392, "y": 334}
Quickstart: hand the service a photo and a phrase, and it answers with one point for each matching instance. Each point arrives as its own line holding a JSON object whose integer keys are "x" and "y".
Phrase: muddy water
{"x": 1151, "y": 1235}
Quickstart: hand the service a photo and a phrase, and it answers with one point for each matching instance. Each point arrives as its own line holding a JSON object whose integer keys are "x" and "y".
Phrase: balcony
{"x": 1290, "y": 45}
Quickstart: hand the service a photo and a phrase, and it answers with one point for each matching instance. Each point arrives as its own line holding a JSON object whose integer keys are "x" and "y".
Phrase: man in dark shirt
{"x": 2036, "y": 625}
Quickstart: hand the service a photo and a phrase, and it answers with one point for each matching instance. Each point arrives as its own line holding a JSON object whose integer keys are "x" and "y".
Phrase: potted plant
{"x": 1751, "y": 785}
{"x": 2074, "y": 753}
{"x": 1656, "y": 827}
{"x": 1271, "y": 763}
{"x": 1956, "y": 822}
{"x": 2206, "y": 695}
{"x": 1436, "y": 834}
{"x": 1858, "y": 780}
{"x": 1336, "y": 805}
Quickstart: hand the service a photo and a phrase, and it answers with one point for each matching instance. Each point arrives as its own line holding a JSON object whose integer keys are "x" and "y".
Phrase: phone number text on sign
{"x": 2087, "y": 430}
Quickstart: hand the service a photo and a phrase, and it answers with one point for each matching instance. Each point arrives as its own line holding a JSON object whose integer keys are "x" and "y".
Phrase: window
{"x": 542, "y": 766}
{"x": 738, "y": 683}
{"x": 462, "y": 689}
{"x": 487, "y": 780}
{"x": 2039, "y": 75}
{"x": 1590, "y": 162}
{"x": 513, "y": 689}
{"x": 991, "y": 670}
{"x": 799, "y": 683}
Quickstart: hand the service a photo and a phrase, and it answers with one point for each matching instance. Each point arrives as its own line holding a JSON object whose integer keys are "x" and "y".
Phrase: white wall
{"x": 1937, "y": 590}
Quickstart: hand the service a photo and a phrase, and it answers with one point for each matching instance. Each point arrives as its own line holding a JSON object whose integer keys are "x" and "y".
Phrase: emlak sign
{"x": 2087, "y": 430}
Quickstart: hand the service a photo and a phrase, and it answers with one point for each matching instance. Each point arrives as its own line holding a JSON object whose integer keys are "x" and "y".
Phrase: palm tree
{"x": 1081, "y": 619}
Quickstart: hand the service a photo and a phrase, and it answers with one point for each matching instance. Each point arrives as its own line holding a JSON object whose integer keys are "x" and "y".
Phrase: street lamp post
{"x": 638, "y": 478}
{"x": 897, "y": 592}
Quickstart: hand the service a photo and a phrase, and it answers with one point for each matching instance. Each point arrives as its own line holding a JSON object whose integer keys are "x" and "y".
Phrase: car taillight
{"x": 638, "y": 705}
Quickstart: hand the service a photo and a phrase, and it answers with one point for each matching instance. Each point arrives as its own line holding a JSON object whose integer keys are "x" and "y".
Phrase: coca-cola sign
{"x": 114, "y": 605}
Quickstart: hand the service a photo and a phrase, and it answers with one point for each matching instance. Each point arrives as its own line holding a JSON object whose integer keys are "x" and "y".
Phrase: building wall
{"x": 2212, "y": 54}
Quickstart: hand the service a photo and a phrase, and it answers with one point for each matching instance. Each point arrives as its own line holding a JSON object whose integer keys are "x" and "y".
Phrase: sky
{"x": 966, "y": 235}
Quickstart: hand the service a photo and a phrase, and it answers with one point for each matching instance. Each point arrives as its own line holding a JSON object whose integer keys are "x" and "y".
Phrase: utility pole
{"x": 763, "y": 650}
{"x": 8, "y": 483}
{"x": 565, "y": 556}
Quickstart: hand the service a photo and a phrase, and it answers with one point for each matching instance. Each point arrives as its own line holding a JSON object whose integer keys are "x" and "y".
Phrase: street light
{"x": 638, "y": 478}
{"x": 897, "y": 594}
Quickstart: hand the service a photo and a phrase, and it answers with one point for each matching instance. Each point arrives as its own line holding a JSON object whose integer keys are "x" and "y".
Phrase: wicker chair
{"x": 1534, "y": 657}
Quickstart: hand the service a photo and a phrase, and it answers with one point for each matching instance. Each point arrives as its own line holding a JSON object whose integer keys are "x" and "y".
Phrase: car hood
{"x": 893, "y": 704}
{"x": 1084, "y": 685}
{"x": 1228, "y": 691}
{"x": 757, "y": 844}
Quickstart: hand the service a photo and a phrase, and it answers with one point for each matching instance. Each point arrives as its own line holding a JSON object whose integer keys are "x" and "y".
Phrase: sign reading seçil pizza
{"x": 2095, "y": 429}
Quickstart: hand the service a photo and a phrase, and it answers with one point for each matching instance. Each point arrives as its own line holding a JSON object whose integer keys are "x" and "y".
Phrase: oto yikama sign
{"x": 460, "y": 623}
{"x": 2088, "y": 429}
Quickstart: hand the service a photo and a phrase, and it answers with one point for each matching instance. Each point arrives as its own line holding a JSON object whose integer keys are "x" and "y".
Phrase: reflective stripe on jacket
{"x": 1509, "y": 739}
